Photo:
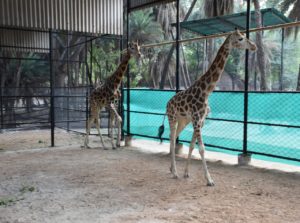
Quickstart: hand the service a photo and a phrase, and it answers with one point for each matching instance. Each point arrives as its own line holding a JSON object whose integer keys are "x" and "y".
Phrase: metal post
{"x": 177, "y": 59}
{"x": 121, "y": 102}
{"x": 281, "y": 61}
{"x": 128, "y": 76}
{"x": 68, "y": 73}
{"x": 244, "y": 155}
{"x": 87, "y": 85}
{"x": 177, "y": 46}
{"x": 52, "y": 117}
{"x": 1, "y": 102}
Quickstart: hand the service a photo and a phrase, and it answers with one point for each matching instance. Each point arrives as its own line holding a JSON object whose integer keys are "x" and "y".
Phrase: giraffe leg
{"x": 197, "y": 130}
{"x": 180, "y": 126}
{"x": 173, "y": 129}
{"x": 88, "y": 128}
{"x": 114, "y": 114}
{"x": 111, "y": 130}
{"x": 191, "y": 148}
{"x": 99, "y": 132}
{"x": 119, "y": 123}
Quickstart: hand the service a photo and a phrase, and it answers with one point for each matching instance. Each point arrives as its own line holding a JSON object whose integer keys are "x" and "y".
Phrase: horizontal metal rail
{"x": 286, "y": 25}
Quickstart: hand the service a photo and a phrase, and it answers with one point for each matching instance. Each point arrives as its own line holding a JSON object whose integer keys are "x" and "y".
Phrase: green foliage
{"x": 105, "y": 57}
{"x": 143, "y": 27}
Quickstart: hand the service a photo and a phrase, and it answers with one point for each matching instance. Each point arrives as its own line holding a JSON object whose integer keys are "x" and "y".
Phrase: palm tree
{"x": 166, "y": 14}
{"x": 261, "y": 62}
{"x": 213, "y": 8}
{"x": 142, "y": 27}
{"x": 295, "y": 15}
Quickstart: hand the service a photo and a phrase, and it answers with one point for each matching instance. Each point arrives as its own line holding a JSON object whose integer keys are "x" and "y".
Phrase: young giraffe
{"x": 106, "y": 94}
{"x": 191, "y": 105}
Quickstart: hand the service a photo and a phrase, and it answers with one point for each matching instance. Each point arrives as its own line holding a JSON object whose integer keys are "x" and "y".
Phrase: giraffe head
{"x": 134, "y": 50}
{"x": 239, "y": 40}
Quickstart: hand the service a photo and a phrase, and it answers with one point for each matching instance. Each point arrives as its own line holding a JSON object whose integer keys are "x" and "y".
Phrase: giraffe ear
{"x": 129, "y": 45}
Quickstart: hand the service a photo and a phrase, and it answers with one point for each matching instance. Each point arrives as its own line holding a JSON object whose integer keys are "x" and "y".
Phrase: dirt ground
{"x": 71, "y": 184}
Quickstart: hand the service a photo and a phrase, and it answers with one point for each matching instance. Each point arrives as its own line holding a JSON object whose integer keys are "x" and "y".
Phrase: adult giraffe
{"x": 107, "y": 93}
{"x": 191, "y": 105}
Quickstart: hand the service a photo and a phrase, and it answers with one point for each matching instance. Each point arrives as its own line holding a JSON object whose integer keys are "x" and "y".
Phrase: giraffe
{"x": 191, "y": 105}
{"x": 106, "y": 94}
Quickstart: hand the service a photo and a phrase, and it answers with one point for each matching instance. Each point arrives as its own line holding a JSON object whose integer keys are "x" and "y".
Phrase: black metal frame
{"x": 246, "y": 92}
{"x": 51, "y": 92}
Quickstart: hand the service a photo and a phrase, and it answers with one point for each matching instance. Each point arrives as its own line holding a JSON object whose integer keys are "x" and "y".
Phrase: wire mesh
{"x": 273, "y": 123}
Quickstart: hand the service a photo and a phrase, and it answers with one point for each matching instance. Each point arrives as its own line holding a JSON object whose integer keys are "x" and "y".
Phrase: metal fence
{"x": 48, "y": 87}
{"x": 273, "y": 121}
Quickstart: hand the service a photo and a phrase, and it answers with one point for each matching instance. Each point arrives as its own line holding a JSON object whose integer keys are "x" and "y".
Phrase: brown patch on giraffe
{"x": 213, "y": 67}
{"x": 203, "y": 86}
{"x": 218, "y": 58}
{"x": 215, "y": 76}
{"x": 208, "y": 79}
{"x": 189, "y": 98}
{"x": 222, "y": 61}
{"x": 194, "y": 91}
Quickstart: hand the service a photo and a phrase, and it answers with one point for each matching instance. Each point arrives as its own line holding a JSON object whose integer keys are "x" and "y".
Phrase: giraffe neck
{"x": 208, "y": 81}
{"x": 115, "y": 79}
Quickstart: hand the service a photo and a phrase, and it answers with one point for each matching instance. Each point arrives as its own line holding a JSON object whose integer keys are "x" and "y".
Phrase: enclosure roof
{"x": 227, "y": 23}
{"x": 92, "y": 16}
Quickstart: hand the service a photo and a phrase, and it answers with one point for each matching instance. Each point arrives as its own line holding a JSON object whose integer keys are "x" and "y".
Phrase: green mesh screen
{"x": 273, "y": 121}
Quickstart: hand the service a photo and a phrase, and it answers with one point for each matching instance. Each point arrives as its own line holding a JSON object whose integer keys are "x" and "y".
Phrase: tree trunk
{"x": 260, "y": 50}
{"x": 168, "y": 60}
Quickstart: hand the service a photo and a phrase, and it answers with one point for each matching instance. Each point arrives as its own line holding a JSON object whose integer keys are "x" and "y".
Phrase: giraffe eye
{"x": 240, "y": 39}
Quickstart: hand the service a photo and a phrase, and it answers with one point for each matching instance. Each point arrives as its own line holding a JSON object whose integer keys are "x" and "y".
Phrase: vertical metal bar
{"x": 281, "y": 61}
{"x": 245, "y": 142}
{"x": 177, "y": 46}
{"x": 52, "y": 120}
{"x": 1, "y": 101}
{"x": 121, "y": 103}
{"x": 128, "y": 76}
{"x": 88, "y": 86}
{"x": 68, "y": 73}
{"x": 177, "y": 52}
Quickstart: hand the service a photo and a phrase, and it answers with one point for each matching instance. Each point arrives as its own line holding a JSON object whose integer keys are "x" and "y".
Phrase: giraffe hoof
{"x": 86, "y": 147}
{"x": 114, "y": 147}
{"x": 175, "y": 176}
{"x": 186, "y": 175}
{"x": 105, "y": 148}
{"x": 210, "y": 183}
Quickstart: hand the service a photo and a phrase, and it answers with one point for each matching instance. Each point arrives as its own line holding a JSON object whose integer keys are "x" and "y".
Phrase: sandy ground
{"x": 132, "y": 184}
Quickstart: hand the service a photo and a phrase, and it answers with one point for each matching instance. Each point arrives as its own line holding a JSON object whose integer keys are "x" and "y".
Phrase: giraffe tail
{"x": 161, "y": 130}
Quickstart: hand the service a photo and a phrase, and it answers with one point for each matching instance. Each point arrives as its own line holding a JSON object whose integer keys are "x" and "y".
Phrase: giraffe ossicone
{"x": 105, "y": 96}
{"x": 191, "y": 105}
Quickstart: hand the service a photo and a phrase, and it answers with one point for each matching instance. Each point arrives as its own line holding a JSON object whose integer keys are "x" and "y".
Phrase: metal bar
{"x": 291, "y": 24}
{"x": 1, "y": 102}
{"x": 36, "y": 59}
{"x": 177, "y": 52}
{"x": 121, "y": 103}
{"x": 245, "y": 131}
{"x": 226, "y": 120}
{"x": 177, "y": 46}
{"x": 52, "y": 117}
{"x": 281, "y": 61}
{"x": 69, "y": 82}
{"x": 128, "y": 76}
{"x": 226, "y": 148}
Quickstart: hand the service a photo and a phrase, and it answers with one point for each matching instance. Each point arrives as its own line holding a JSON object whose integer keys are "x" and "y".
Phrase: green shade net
{"x": 224, "y": 126}
{"x": 227, "y": 23}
